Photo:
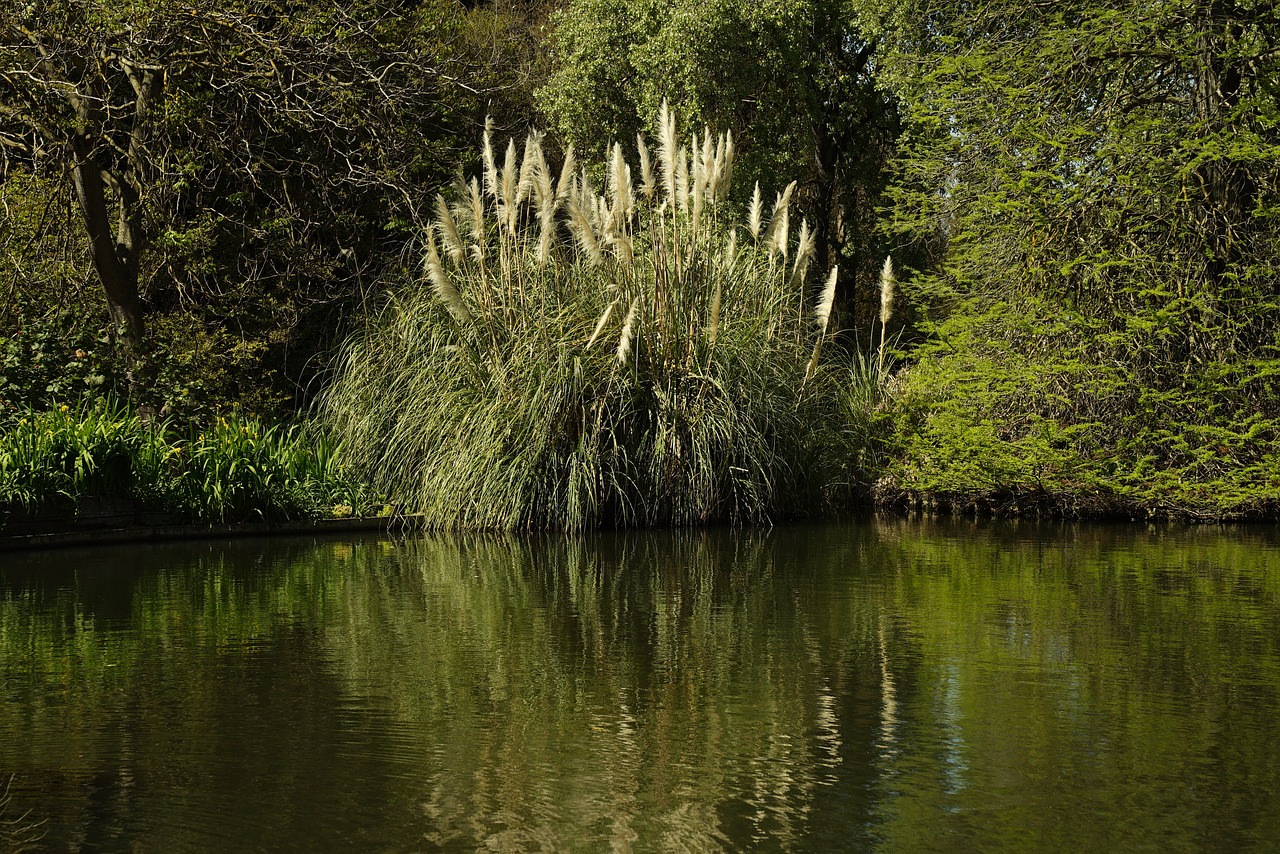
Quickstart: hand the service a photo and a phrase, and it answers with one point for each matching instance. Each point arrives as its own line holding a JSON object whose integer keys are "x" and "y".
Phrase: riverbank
{"x": 22, "y": 540}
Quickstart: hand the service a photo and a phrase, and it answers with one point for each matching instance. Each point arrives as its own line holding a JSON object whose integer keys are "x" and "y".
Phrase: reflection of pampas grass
{"x": 487, "y": 400}
{"x": 16, "y": 832}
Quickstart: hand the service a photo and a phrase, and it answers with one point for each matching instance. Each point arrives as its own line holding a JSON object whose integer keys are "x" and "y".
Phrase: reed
{"x": 604, "y": 358}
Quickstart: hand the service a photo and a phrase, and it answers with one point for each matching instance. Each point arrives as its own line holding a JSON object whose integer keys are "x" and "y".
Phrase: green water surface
{"x": 879, "y": 686}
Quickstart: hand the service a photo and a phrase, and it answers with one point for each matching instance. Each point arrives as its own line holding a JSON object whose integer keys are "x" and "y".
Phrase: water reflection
{"x": 888, "y": 686}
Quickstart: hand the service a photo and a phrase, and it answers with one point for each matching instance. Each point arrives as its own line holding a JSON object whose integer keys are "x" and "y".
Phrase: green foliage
{"x": 795, "y": 81}
{"x": 1123, "y": 162}
{"x": 263, "y": 181}
{"x": 579, "y": 359}
{"x": 53, "y": 357}
{"x": 1099, "y": 190}
{"x": 1076, "y": 430}
{"x": 237, "y": 469}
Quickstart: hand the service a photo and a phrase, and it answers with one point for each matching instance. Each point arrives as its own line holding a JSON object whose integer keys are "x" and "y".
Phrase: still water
{"x": 878, "y": 686}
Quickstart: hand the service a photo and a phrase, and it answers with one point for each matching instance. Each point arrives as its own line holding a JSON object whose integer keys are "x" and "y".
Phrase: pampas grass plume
{"x": 449, "y": 234}
{"x": 822, "y": 314}
{"x": 440, "y": 283}
{"x": 756, "y": 214}
{"x": 804, "y": 253}
{"x": 600, "y": 324}
{"x": 668, "y": 150}
{"x": 567, "y": 170}
{"x": 648, "y": 185}
{"x": 628, "y": 332}
{"x": 490, "y": 164}
{"x": 886, "y": 290}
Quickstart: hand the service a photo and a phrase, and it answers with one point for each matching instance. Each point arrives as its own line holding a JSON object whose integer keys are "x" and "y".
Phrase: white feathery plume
{"x": 714, "y": 170}
{"x": 440, "y": 283}
{"x": 614, "y": 186}
{"x": 620, "y": 186}
{"x": 822, "y": 313}
{"x": 805, "y": 247}
{"x": 697, "y": 166}
{"x": 628, "y": 332}
{"x": 886, "y": 302}
{"x": 490, "y": 165}
{"x": 682, "y": 180}
{"x": 755, "y": 214}
{"x": 821, "y": 316}
{"x": 724, "y": 167}
{"x": 600, "y": 324}
{"x": 776, "y": 232}
{"x": 584, "y": 232}
{"x": 541, "y": 181}
{"x": 449, "y": 235}
{"x": 477, "y": 211}
{"x": 646, "y": 169}
{"x": 708, "y": 162}
{"x": 668, "y": 150}
{"x": 524, "y": 178}
{"x": 509, "y": 179}
{"x": 886, "y": 290}
{"x": 570, "y": 165}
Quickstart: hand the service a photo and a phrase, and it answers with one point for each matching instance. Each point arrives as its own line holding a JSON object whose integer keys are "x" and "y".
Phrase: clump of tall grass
{"x": 234, "y": 468}
{"x": 578, "y": 356}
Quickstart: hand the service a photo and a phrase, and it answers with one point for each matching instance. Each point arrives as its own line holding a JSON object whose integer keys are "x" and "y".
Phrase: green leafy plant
{"x": 235, "y": 469}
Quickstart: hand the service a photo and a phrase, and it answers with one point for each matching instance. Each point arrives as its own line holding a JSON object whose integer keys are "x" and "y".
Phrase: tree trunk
{"x": 115, "y": 264}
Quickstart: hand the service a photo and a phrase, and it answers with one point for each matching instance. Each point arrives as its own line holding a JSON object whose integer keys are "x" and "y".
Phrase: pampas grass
{"x": 886, "y": 303}
{"x": 490, "y": 399}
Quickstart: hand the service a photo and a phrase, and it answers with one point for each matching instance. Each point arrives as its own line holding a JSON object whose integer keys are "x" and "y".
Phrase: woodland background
{"x": 1082, "y": 199}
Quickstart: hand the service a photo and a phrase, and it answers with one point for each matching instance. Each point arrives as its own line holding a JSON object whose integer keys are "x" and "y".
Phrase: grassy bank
{"x": 234, "y": 469}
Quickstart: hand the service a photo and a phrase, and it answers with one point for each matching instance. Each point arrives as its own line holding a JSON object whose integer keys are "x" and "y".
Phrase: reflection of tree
{"x": 1097, "y": 672}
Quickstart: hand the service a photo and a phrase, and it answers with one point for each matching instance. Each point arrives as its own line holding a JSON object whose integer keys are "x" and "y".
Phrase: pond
{"x": 874, "y": 685}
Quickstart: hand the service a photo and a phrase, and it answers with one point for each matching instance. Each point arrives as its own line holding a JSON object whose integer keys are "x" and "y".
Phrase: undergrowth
{"x": 234, "y": 469}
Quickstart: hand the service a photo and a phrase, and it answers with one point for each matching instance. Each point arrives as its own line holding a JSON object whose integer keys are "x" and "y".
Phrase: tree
{"x": 794, "y": 80}
{"x": 1101, "y": 184}
{"x": 1122, "y": 158}
{"x": 215, "y": 142}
